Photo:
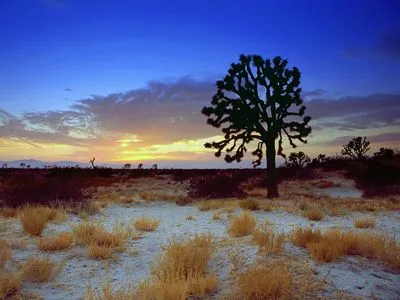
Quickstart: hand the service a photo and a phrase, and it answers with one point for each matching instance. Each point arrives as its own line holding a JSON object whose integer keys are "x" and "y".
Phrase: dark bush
{"x": 224, "y": 184}
{"x": 36, "y": 188}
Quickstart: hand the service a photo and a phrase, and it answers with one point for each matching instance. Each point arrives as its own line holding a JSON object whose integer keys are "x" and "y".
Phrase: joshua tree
{"x": 91, "y": 161}
{"x": 127, "y": 166}
{"x": 356, "y": 148}
{"x": 155, "y": 167}
{"x": 253, "y": 103}
{"x": 140, "y": 166}
{"x": 22, "y": 165}
{"x": 297, "y": 160}
{"x": 4, "y": 166}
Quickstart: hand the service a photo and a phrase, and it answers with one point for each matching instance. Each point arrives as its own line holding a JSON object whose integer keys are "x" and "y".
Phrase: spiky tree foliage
{"x": 253, "y": 104}
{"x": 297, "y": 160}
{"x": 127, "y": 166}
{"x": 356, "y": 148}
{"x": 91, "y": 161}
{"x": 384, "y": 153}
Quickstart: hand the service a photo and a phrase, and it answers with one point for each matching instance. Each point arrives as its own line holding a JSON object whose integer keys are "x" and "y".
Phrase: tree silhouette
{"x": 297, "y": 160}
{"x": 253, "y": 102}
{"x": 356, "y": 148}
{"x": 127, "y": 166}
{"x": 384, "y": 153}
{"x": 140, "y": 166}
{"x": 91, "y": 161}
{"x": 22, "y": 165}
{"x": 155, "y": 167}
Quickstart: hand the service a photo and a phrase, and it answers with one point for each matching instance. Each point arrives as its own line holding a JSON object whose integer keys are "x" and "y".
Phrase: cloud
{"x": 389, "y": 46}
{"x": 385, "y": 138}
{"x": 68, "y": 89}
{"x": 163, "y": 120}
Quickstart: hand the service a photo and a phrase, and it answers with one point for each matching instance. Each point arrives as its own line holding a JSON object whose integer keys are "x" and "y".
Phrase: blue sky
{"x": 54, "y": 54}
{"x": 102, "y": 47}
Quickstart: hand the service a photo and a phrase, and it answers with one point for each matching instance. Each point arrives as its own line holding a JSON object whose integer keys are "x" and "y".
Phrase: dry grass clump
{"x": 146, "y": 224}
{"x": 216, "y": 204}
{"x": 365, "y": 223}
{"x": 9, "y": 212}
{"x": 34, "y": 219}
{"x": 10, "y": 285}
{"x": 185, "y": 257}
{"x": 249, "y": 204}
{"x": 242, "y": 225}
{"x": 216, "y": 215}
{"x": 268, "y": 241}
{"x": 84, "y": 232}
{"x": 107, "y": 293}
{"x": 333, "y": 244}
{"x": 38, "y": 269}
{"x": 5, "y": 253}
{"x": 167, "y": 195}
{"x": 272, "y": 281}
{"x": 60, "y": 242}
{"x": 301, "y": 237}
{"x": 100, "y": 251}
{"x": 314, "y": 213}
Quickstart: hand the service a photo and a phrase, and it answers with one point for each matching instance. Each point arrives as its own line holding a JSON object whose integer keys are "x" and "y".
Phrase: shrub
{"x": 146, "y": 224}
{"x": 242, "y": 225}
{"x": 273, "y": 281}
{"x": 184, "y": 258}
{"x": 5, "y": 253}
{"x": 84, "y": 232}
{"x": 249, "y": 204}
{"x": 301, "y": 237}
{"x": 101, "y": 251}
{"x": 268, "y": 241}
{"x": 10, "y": 285}
{"x": 38, "y": 269}
{"x": 365, "y": 223}
{"x": 314, "y": 213}
{"x": 34, "y": 219}
{"x": 222, "y": 185}
{"x": 60, "y": 242}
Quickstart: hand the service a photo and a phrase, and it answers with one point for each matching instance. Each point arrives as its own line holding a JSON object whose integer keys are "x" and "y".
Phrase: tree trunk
{"x": 271, "y": 171}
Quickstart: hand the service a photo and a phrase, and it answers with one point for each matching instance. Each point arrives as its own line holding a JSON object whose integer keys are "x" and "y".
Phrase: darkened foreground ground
{"x": 201, "y": 234}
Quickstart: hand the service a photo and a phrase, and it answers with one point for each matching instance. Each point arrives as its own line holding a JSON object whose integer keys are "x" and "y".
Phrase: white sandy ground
{"x": 357, "y": 276}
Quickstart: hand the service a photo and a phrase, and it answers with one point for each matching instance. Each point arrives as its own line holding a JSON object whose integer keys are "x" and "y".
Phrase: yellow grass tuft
{"x": 38, "y": 269}
{"x": 314, "y": 213}
{"x": 365, "y": 223}
{"x": 200, "y": 286}
{"x": 268, "y": 241}
{"x": 242, "y": 225}
{"x": 216, "y": 215}
{"x": 273, "y": 281}
{"x": 216, "y": 204}
{"x": 146, "y": 224}
{"x": 249, "y": 204}
{"x": 34, "y": 219}
{"x": 84, "y": 232}
{"x": 169, "y": 289}
{"x": 100, "y": 251}
{"x": 10, "y": 285}
{"x": 5, "y": 253}
{"x": 184, "y": 257}
{"x": 301, "y": 237}
{"x": 60, "y": 242}
{"x": 9, "y": 212}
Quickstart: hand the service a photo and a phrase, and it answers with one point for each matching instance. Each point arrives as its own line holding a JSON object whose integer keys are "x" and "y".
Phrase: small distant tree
{"x": 127, "y": 166}
{"x": 321, "y": 159}
{"x": 28, "y": 166}
{"x": 91, "y": 161}
{"x": 356, "y": 148}
{"x": 155, "y": 167}
{"x": 22, "y": 165}
{"x": 384, "y": 153}
{"x": 140, "y": 166}
{"x": 4, "y": 166}
{"x": 258, "y": 102}
{"x": 297, "y": 160}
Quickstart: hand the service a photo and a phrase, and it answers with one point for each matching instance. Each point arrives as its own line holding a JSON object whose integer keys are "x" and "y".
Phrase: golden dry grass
{"x": 268, "y": 241}
{"x": 5, "y": 253}
{"x": 333, "y": 244}
{"x": 9, "y": 212}
{"x": 38, "y": 269}
{"x": 60, "y": 242}
{"x": 84, "y": 232}
{"x": 242, "y": 225}
{"x": 365, "y": 223}
{"x": 108, "y": 293}
{"x": 272, "y": 281}
{"x": 10, "y": 285}
{"x": 216, "y": 215}
{"x": 34, "y": 219}
{"x": 100, "y": 251}
{"x": 249, "y": 204}
{"x": 314, "y": 213}
{"x": 217, "y": 204}
{"x": 184, "y": 257}
{"x": 170, "y": 289}
{"x": 146, "y": 224}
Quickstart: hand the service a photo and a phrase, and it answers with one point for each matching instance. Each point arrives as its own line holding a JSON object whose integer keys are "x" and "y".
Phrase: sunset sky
{"x": 125, "y": 81}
